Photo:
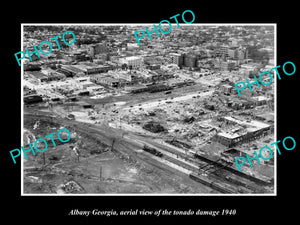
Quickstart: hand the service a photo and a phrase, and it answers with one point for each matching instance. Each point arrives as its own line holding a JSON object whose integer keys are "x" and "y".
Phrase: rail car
{"x": 153, "y": 151}
{"x": 29, "y": 99}
{"x": 213, "y": 184}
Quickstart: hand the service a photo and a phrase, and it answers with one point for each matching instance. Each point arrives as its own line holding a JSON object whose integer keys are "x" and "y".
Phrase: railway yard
{"x": 161, "y": 143}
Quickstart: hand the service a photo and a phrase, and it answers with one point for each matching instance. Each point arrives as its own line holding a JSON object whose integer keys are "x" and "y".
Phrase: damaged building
{"x": 241, "y": 131}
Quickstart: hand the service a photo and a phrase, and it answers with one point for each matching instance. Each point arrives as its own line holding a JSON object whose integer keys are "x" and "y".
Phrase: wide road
{"x": 155, "y": 103}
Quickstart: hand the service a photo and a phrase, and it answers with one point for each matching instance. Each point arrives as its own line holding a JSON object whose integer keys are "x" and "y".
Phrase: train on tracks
{"x": 153, "y": 151}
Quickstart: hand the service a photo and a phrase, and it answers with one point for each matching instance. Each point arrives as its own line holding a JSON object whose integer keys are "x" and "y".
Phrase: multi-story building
{"x": 237, "y": 53}
{"x": 223, "y": 50}
{"x": 189, "y": 60}
{"x": 242, "y": 53}
{"x": 233, "y": 52}
{"x": 227, "y": 66}
{"x": 97, "y": 49}
{"x": 134, "y": 61}
{"x": 248, "y": 70}
{"x": 177, "y": 59}
{"x": 226, "y": 88}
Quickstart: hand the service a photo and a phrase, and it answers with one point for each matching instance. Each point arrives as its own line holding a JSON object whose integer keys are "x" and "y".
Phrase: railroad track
{"x": 172, "y": 157}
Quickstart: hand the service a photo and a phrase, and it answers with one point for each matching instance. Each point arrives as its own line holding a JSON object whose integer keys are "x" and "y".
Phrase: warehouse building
{"x": 90, "y": 68}
{"x": 42, "y": 77}
{"x": 105, "y": 80}
{"x": 70, "y": 71}
{"x": 245, "y": 132}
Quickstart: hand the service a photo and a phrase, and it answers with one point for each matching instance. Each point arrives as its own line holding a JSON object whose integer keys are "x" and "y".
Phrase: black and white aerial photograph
{"x": 148, "y": 114}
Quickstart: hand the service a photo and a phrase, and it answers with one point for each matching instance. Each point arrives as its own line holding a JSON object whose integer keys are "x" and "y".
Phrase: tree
{"x": 258, "y": 55}
{"x": 124, "y": 66}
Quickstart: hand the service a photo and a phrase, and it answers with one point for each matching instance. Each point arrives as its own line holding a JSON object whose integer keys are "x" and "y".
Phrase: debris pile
{"x": 71, "y": 187}
{"x": 154, "y": 127}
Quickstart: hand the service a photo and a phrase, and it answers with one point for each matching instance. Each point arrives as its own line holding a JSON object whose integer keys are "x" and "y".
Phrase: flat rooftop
{"x": 251, "y": 126}
{"x": 251, "y": 123}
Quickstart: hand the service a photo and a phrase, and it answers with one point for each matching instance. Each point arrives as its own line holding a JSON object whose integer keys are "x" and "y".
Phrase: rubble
{"x": 71, "y": 187}
{"x": 154, "y": 127}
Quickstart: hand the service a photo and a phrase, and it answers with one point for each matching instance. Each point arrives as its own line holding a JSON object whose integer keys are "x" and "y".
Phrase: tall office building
{"x": 189, "y": 60}
{"x": 97, "y": 49}
{"x": 177, "y": 59}
{"x": 223, "y": 50}
{"x": 237, "y": 53}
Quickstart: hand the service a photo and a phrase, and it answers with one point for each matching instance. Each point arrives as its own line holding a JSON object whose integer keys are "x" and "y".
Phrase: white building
{"x": 134, "y": 61}
{"x": 131, "y": 46}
